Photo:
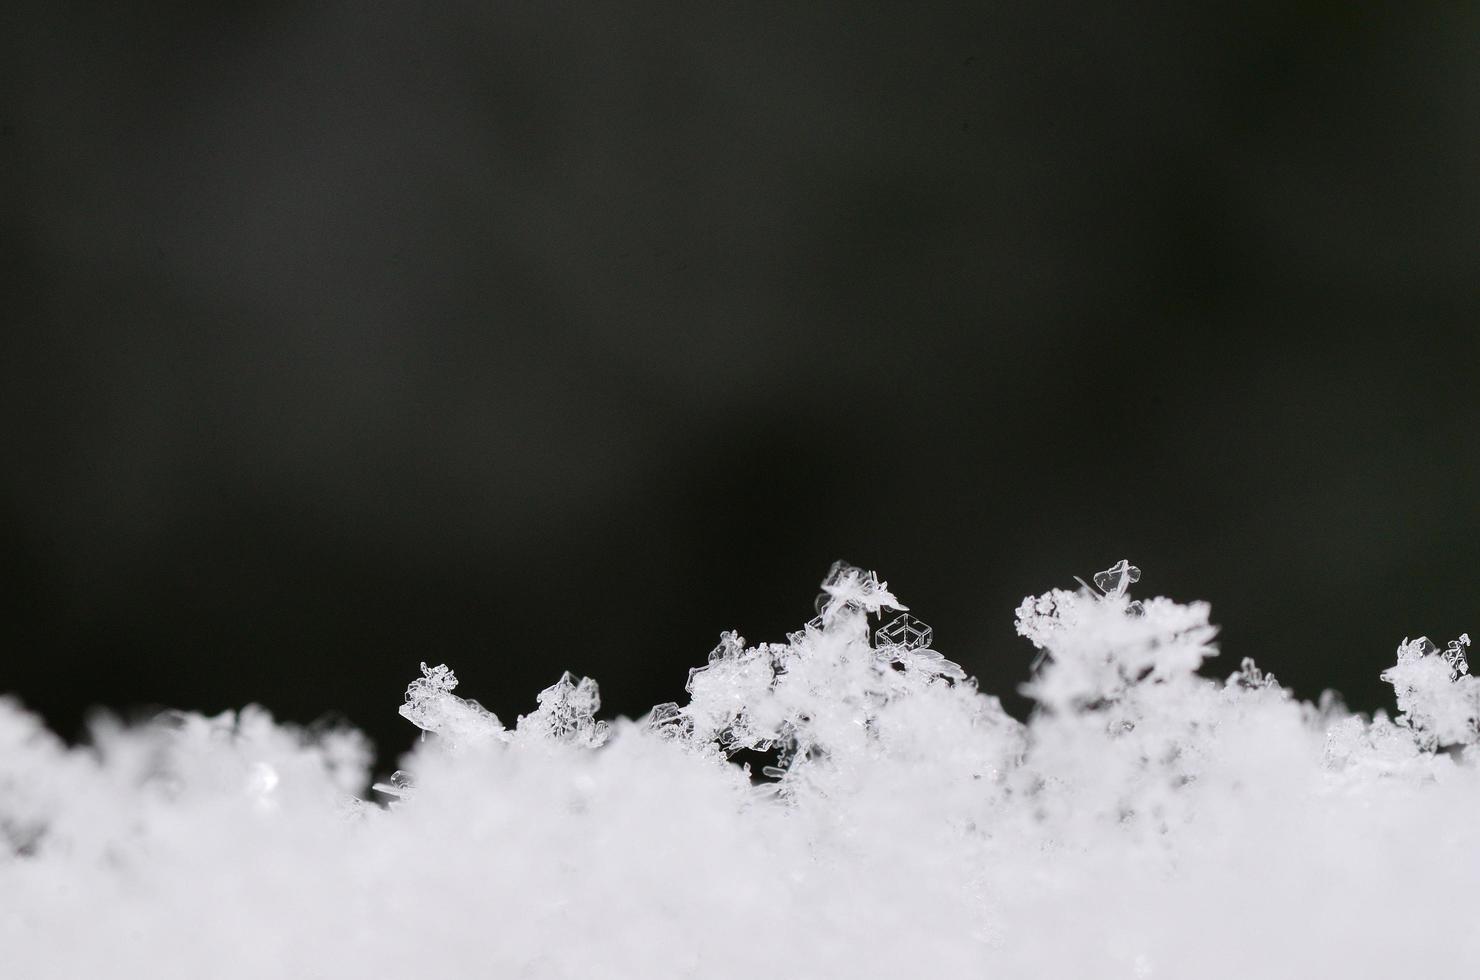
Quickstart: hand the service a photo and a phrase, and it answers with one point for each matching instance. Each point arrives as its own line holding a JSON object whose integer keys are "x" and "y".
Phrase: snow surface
{"x": 1147, "y": 821}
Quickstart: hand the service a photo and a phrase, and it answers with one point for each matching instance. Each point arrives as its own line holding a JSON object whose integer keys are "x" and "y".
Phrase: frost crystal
{"x": 669, "y": 721}
{"x": 1439, "y": 700}
{"x": 1117, "y": 578}
{"x": 1454, "y": 655}
{"x": 567, "y": 713}
{"x": 400, "y": 784}
{"x": 1251, "y": 678}
{"x": 849, "y": 587}
{"x": 930, "y": 662}
{"x": 814, "y": 624}
{"x": 1092, "y": 653}
{"x": 903, "y": 631}
{"x": 906, "y": 641}
{"x": 431, "y": 706}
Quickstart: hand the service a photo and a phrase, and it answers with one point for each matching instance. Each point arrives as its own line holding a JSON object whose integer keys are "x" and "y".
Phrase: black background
{"x": 533, "y": 336}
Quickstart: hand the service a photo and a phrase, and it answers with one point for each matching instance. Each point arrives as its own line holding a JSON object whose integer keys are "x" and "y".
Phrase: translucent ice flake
{"x": 904, "y": 631}
{"x": 847, "y": 586}
{"x": 567, "y": 713}
{"x": 929, "y": 662}
{"x": 1454, "y": 655}
{"x": 399, "y": 786}
{"x": 813, "y": 625}
{"x": 1250, "y": 677}
{"x": 669, "y": 721}
{"x": 1117, "y": 578}
{"x": 729, "y": 691}
{"x": 433, "y": 680}
{"x": 906, "y": 641}
{"x": 431, "y": 706}
{"x": 1440, "y": 703}
{"x": 731, "y": 648}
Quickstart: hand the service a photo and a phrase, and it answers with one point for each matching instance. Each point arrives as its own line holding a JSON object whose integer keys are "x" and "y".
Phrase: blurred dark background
{"x": 532, "y": 335}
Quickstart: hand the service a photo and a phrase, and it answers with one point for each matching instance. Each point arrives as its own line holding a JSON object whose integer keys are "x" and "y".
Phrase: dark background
{"x": 531, "y": 336}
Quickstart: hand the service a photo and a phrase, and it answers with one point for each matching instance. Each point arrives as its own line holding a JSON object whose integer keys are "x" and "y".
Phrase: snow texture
{"x": 842, "y": 804}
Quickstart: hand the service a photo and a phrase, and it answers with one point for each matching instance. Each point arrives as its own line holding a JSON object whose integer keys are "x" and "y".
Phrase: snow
{"x": 1148, "y": 820}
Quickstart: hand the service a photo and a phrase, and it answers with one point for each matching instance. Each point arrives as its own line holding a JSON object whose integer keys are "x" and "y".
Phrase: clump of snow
{"x": 431, "y": 706}
{"x": 845, "y": 803}
{"x": 567, "y": 713}
{"x": 1438, "y": 699}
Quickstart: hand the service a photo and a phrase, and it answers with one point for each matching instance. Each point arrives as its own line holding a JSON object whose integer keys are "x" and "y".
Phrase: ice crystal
{"x": 906, "y": 641}
{"x": 1114, "y": 580}
{"x": 1094, "y": 653}
{"x": 1250, "y": 677}
{"x": 1438, "y": 699}
{"x": 903, "y": 631}
{"x": 669, "y": 721}
{"x": 567, "y": 713}
{"x": 1454, "y": 655}
{"x": 400, "y": 784}
{"x": 431, "y": 706}
{"x": 847, "y": 587}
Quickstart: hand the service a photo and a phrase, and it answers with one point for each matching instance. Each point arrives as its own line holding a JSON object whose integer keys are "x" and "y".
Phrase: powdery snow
{"x": 1147, "y": 821}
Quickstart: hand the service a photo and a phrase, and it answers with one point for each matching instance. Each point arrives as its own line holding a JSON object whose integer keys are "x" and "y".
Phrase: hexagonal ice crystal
{"x": 905, "y": 631}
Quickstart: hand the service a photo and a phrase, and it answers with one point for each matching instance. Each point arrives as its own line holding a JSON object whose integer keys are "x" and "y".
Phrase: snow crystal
{"x": 1438, "y": 699}
{"x": 847, "y": 587}
{"x": 1454, "y": 655}
{"x": 567, "y": 713}
{"x": 431, "y": 706}
{"x": 904, "y": 631}
{"x": 1117, "y": 578}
